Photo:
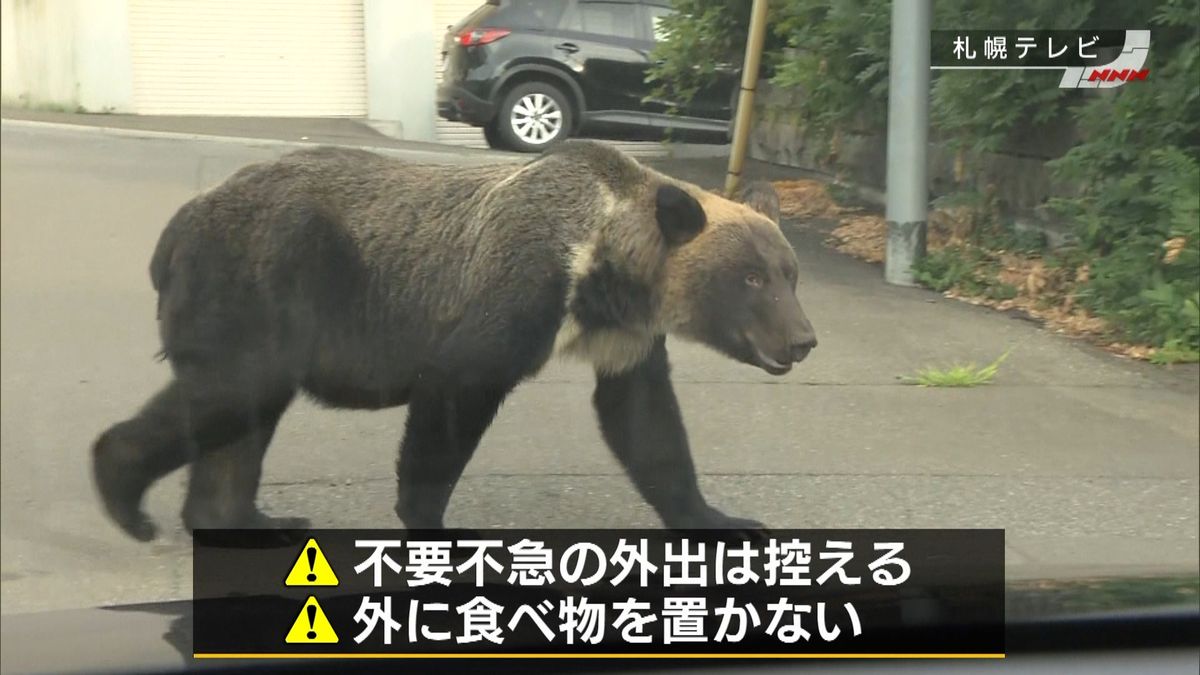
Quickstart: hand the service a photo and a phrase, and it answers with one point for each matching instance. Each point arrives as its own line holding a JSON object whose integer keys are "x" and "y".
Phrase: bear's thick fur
{"x": 368, "y": 282}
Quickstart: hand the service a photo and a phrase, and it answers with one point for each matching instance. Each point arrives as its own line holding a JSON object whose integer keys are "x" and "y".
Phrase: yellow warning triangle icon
{"x": 311, "y": 626}
{"x": 311, "y": 568}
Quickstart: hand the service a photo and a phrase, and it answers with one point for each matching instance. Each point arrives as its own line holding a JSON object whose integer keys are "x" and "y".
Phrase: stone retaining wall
{"x": 857, "y": 153}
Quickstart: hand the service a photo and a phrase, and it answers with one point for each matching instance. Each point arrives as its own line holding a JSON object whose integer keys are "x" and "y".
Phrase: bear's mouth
{"x": 768, "y": 364}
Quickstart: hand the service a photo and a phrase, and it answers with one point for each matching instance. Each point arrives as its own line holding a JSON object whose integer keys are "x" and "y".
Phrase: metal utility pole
{"x": 907, "y": 140}
{"x": 745, "y": 105}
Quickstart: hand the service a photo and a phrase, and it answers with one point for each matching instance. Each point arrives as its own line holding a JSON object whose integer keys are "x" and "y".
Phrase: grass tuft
{"x": 958, "y": 375}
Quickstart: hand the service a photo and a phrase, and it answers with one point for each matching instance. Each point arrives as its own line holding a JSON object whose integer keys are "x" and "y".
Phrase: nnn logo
{"x": 1127, "y": 67}
{"x": 1113, "y": 75}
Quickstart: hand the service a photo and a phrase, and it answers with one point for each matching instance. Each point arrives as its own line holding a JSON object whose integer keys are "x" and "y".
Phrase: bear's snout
{"x": 802, "y": 347}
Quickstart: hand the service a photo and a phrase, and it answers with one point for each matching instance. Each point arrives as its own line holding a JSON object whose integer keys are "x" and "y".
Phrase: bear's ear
{"x": 680, "y": 216}
{"x": 762, "y": 197}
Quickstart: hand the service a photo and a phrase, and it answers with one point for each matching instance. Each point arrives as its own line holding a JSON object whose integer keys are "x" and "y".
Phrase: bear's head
{"x": 658, "y": 255}
{"x": 730, "y": 276}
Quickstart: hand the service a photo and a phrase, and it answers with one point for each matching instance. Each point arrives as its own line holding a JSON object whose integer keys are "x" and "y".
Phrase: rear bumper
{"x": 457, "y": 104}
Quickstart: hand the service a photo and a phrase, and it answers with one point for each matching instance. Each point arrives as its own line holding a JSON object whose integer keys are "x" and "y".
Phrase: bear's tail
{"x": 160, "y": 269}
{"x": 160, "y": 262}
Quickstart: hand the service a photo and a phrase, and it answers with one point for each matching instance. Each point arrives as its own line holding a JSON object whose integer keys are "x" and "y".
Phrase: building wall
{"x": 75, "y": 55}
{"x": 68, "y": 54}
{"x": 255, "y": 58}
{"x": 102, "y": 63}
{"x": 400, "y": 68}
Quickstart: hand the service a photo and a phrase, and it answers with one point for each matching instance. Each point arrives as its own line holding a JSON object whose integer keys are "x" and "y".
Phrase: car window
{"x": 481, "y": 14}
{"x": 617, "y": 19}
{"x": 654, "y": 16}
{"x": 227, "y": 236}
{"x": 532, "y": 13}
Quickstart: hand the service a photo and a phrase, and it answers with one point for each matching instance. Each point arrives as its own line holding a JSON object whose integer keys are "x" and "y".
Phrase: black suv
{"x": 533, "y": 72}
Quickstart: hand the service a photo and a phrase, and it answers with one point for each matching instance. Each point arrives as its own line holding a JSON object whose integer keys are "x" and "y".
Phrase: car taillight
{"x": 480, "y": 36}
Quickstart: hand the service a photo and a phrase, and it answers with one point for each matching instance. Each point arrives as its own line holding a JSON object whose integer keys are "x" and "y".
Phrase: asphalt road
{"x": 1088, "y": 461}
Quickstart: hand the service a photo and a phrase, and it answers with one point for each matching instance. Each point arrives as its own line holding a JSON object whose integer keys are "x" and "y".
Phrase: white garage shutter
{"x": 447, "y": 13}
{"x": 248, "y": 57}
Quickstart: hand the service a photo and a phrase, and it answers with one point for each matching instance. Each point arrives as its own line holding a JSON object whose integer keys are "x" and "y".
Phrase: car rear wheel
{"x": 534, "y": 116}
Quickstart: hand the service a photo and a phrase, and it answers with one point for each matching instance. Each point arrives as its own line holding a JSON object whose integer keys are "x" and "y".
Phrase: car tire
{"x": 491, "y": 134}
{"x": 533, "y": 117}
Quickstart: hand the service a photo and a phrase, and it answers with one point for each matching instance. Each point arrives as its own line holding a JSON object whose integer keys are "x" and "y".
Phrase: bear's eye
{"x": 754, "y": 280}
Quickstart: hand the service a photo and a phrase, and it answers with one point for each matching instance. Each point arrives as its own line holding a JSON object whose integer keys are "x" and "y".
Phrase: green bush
{"x": 1136, "y": 211}
{"x": 964, "y": 268}
{"x": 948, "y": 268}
{"x": 701, "y": 36}
{"x": 1139, "y": 168}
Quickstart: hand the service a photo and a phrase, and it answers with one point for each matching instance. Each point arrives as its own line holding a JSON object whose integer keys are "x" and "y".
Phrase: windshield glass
{"x": 450, "y": 320}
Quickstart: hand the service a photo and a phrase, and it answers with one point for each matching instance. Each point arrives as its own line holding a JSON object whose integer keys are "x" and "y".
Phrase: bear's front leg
{"x": 641, "y": 422}
{"x": 443, "y": 430}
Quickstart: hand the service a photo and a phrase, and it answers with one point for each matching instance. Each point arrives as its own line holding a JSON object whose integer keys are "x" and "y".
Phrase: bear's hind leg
{"x": 208, "y": 408}
{"x": 223, "y": 482}
{"x": 131, "y": 455}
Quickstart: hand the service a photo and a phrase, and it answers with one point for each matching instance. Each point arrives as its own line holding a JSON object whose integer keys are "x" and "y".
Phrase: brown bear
{"x": 368, "y": 282}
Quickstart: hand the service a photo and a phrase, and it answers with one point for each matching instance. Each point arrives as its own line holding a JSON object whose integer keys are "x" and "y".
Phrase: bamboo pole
{"x": 745, "y": 107}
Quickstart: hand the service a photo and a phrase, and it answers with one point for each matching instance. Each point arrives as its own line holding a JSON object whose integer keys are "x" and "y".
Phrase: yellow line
{"x": 539, "y": 655}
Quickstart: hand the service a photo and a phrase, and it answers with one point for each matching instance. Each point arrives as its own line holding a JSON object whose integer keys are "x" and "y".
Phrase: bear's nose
{"x": 803, "y": 346}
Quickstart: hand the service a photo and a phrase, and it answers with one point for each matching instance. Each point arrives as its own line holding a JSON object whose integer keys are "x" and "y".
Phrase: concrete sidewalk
{"x": 1089, "y": 461}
